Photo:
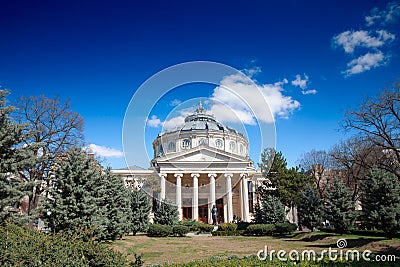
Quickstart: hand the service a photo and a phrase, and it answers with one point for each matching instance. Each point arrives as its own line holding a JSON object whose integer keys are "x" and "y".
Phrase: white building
{"x": 200, "y": 164}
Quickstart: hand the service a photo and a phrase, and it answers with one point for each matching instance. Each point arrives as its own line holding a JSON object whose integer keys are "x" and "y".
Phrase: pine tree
{"x": 166, "y": 213}
{"x": 339, "y": 206}
{"x": 118, "y": 203}
{"x": 273, "y": 210}
{"x": 381, "y": 201}
{"x": 74, "y": 197}
{"x": 310, "y": 208}
{"x": 141, "y": 205}
{"x": 12, "y": 158}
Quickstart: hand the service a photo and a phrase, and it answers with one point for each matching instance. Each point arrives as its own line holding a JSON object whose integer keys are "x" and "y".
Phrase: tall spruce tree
{"x": 118, "y": 206}
{"x": 140, "y": 205}
{"x": 166, "y": 213}
{"x": 339, "y": 206}
{"x": 273, "y": 210}
{"x": 310, "y": 208}
{"x": 74, "y": 199}
{"x": 12, "y": 158}
{"x": 381, "y": 201}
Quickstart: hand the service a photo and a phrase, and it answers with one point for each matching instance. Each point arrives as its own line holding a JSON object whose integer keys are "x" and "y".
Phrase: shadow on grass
{"x": 351, "y": 243}
{"x": 310, "y": 237}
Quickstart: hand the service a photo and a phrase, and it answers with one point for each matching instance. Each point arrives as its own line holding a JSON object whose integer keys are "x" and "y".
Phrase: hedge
{"x": 25, "y": 247}
{"x": 180, "y": 230}
{"x": 159, "y": 230}
{"x": 206, "y": 228}
{"x": 192, "y": 224}
{"x": 227, "y": 227}
{"x": 285, "y": 228}
{"x": 260, "y": 229}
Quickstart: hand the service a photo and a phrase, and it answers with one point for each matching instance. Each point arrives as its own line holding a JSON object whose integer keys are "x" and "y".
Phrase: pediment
{"x": 204, "y": 154}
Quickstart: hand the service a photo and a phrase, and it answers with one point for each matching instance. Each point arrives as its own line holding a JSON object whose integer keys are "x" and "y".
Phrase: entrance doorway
{"x": 187, "y": 213}
{"x": 219, "y": 203}
{"x": 203, "y": 213}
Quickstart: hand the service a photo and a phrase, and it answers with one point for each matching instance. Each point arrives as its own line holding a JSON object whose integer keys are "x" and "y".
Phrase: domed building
{"x": 204, "y": 163}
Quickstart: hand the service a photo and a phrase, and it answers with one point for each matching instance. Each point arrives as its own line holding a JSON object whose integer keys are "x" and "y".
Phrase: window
{"x": 203, "y": 141}
{"x": 171, "y": 146}
{"x": 186, "y": 143}
{"x": 241, "y": 149}
{"x": 232, "y": 145}
{"x": 218, "y": 143}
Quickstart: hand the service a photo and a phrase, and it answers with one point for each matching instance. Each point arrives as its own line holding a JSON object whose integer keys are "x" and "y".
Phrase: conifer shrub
{"x": 227, "y": 227}
{"x": 206, "y": 228}
{"x": 242, "y": 225}
{"x": 192, "y": 224}
{"x": 285, "y": 228}
{"x": 159, "y": 230}
{"x": 180, "y": 230}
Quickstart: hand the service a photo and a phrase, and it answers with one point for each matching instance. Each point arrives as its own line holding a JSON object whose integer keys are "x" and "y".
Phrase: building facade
{"x": 200, "y": 164}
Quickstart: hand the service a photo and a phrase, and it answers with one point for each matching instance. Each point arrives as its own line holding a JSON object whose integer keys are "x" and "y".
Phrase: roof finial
{"x": 200, "y": 109}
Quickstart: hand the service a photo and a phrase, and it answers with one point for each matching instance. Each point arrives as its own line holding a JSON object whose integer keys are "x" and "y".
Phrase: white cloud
{"x": 175, "y": 102}
{"x": 383, "y": 17}
{"x": 299, "y": 82}
{"x": 103, "y": 151}
{"x": 309, "y": 92}
{"x": 228, "y": 107}
{"x": 365, "y": 62}
{"x": 154, "y": 122}
{"x": 350, "y": 40}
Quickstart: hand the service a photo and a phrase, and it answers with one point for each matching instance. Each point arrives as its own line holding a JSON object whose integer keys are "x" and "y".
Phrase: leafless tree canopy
{"x": 378, "y": 123}
{"x": 54, "y": 127}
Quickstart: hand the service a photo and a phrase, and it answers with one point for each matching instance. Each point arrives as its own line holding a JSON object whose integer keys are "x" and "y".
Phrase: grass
{"x": 182, "y": 250}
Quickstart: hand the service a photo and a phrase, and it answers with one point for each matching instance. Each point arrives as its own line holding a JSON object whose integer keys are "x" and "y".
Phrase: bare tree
{"x": 377, "y": 122}
{"x": 317, "y": 163}
{"x": 54, "y": 128}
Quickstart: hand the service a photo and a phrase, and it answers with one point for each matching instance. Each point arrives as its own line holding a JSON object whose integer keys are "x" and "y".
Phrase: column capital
{"x": 212, "y": 175}
{"x": 163, "y": 174}
{"x": 228, "y": 175}
{"x": 178, "y": 175}
{"x": 197, "y": 175}
{"x": 244, "y": 175}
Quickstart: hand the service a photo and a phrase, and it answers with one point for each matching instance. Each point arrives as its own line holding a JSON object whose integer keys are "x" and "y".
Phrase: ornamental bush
{"x": 192, "y": 224}
{"x": 227, "y": 227}
{"x": 206, "y": 228}
{"x": 285, "y": 228}
{"x": 159, "y": 230}
{"x": 260, "y": 229}
{"x": 180, "y": 230}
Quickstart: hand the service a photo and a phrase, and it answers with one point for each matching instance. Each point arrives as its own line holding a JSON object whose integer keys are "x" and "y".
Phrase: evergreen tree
{"x": 339, "y": 206}
{"x": 273, "y": 210}
{"x": 166, "y": 213}
{"x": 74, "y": 201}
{"x": 118, "y": 203}
{"x": 140, "y": 205}
{"x": 258, "y": 213}
{"x": 12, "y": 158}
{"x": 381, "y": 201}
{"x": 310, "y": 208}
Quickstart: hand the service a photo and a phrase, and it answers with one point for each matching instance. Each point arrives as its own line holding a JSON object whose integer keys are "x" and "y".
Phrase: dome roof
{"x": 201, "y": 120}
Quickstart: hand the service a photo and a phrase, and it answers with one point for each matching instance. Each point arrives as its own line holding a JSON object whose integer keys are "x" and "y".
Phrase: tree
{"x": 53, "y": 129}
{"x": 118, "y": 206}
{"x": 13, "y": 156}
{"x": 140, "y": 205}
{"x": 377, "y": 121}
{"x": 273, "y": 210}
{"x": 166, "y": 213}
{"x": 317, "y": 163}
{"x": 381, "y": 201}
{"x": 73, "y": 201}
{"x": 310, "y": 208}
{"x": 339, "y": 206}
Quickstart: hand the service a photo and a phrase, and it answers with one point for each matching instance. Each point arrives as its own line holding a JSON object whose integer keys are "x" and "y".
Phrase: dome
{"x": 201, "y": 129}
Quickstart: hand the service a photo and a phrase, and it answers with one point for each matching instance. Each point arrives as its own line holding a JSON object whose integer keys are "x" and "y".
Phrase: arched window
{"x": 232, "y": 145}
{"x": 241, "y": 149}
{"x": 218, "y": 143}
{"x": 203, "y": 141}
{"x": 171, "y": 146}
{"x": 186, "y": 143}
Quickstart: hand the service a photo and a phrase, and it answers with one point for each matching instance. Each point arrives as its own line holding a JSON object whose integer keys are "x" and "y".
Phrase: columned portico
{"x": 228, "y": 176}
{"x": 195, "y": 200}
{"x": 245, "y": 197}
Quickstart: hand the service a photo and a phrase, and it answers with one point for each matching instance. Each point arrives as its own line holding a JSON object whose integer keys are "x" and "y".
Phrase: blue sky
{"x": 319, "y": 58}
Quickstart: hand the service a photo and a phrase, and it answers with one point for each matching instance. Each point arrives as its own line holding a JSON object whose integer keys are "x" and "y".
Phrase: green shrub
{"x": 242, "y": 225}
{"x": 159, "y": 230}
{"x": 180, "y": 230}
{"x": 260, "y": 229}
{"x": 227, "y": 227}
{"x": 206, "y": 228}
{"x": 228, "y": 233}
{"x": 25, "y": 247}
{"x": 285, "y": 228}
{"x": 192, "y": 224}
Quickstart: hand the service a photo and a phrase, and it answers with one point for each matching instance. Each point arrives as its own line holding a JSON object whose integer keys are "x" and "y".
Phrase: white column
{"x": 179, "y": 193}
{"x": 229, "y": 196}
{"x": 212, "y": 195}
{"x": 245, "y": 198}
{"x": 195, "y": 202}
{"x": 162, "y": 185}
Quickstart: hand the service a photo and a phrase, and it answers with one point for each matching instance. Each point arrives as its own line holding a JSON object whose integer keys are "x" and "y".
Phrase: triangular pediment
{"x": 204, "y": 154}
